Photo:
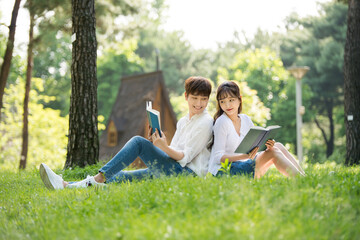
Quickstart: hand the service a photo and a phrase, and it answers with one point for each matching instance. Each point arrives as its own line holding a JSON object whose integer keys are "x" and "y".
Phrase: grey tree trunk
{"x": 5, "y": 68}
{"x": 352, "y": 84}
{"x": 25, "y": 132}
{"x": 83, "y": 141}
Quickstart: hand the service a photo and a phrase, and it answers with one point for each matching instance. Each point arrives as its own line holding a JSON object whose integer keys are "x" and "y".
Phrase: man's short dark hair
{"x": 198, "y": 86}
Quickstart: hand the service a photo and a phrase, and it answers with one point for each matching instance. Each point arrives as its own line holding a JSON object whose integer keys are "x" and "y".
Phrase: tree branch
{"x": 322, "y": 130}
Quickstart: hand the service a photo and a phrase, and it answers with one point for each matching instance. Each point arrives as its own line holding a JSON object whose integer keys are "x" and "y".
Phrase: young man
{"x": 187, "y": 152}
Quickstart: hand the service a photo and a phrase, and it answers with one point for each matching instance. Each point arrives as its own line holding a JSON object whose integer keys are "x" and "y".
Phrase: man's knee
{"x": 137, "y": 139}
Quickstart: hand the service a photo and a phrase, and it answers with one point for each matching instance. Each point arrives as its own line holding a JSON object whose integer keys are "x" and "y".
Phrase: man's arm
{"x": 161, "y": 143}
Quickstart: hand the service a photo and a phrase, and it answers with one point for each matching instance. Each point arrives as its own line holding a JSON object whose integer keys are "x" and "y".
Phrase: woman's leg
{"x": 283, "y": 164}
{"x": 275, "y": 156}
{"x": 263, "y": 162}
{"x": 289, "y": 156}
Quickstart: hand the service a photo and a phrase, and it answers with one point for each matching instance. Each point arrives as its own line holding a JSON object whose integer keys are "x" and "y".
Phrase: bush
{"x": 47, "y": 129}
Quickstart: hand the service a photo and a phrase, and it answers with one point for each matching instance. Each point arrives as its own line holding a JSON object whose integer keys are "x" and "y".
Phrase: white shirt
{"x": 226, "y": 139}
{"x": 192, "y": 137}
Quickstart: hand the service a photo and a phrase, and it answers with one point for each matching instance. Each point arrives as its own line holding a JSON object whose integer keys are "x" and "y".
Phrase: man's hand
{"x": 158, "y": 141}
{"x": 149, "y": 134}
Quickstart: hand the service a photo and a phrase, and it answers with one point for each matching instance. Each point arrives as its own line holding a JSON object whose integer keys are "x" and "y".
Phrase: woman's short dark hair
{"x": 198, "y": 86}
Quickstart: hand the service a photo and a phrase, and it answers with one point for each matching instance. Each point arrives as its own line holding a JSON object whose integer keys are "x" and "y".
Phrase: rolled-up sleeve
{"x": 175, "y": 138}
{"x": 198, "y": 140}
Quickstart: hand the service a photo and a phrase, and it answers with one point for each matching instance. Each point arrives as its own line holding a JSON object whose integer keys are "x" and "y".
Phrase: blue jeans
{"x": 157, "y": 162}
{"x": 241, "y": 168}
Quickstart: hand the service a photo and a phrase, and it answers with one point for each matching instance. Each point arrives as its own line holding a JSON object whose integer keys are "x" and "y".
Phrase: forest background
{"x": 128, "y": 37}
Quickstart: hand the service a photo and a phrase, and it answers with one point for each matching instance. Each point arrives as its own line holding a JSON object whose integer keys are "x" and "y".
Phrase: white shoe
{"x": 89, "y": 181}
{"x": 50, "y": 179}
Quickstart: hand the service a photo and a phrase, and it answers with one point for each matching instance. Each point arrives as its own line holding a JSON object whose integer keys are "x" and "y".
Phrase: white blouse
{"x": 226, "y": 139}
{"x": 192, "y": 137}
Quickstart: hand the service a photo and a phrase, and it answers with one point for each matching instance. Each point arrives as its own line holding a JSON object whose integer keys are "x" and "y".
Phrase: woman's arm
{"x": 240, "y": 156}
{"x": 221, "y": 131}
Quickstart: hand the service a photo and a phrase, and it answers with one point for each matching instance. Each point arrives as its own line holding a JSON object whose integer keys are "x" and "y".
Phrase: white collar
{"x": 195, "y": 116}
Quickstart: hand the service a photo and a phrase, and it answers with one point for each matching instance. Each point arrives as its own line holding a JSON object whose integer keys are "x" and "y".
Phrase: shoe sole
{"x": 45, "y": 178}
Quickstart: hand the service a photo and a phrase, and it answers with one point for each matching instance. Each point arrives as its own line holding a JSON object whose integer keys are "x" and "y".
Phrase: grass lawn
{"x": 323, "y": 205}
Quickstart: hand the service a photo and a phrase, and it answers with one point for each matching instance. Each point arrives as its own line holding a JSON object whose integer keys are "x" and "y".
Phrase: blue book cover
{"x": 153, "y": 117}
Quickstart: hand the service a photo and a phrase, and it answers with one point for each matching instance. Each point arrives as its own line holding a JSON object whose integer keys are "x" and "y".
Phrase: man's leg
{"x": 154, "y": 158}
{"x": 131, "y": 175}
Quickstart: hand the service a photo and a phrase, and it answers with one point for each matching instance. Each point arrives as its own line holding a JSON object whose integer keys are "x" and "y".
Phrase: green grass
{"x": 323, "y": 205}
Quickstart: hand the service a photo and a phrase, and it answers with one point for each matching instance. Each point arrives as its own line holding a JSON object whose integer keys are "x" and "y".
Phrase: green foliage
{"x": 314, "y": 151}
{"x": 52, "y": 63}
{"x": 179, "y": 105}
{"x": 174, "y": 56}
{"x": 263, "y": 70}
{"x": 17, "y": 64}
{"x": 263, "y": 82}
{"x": 73, "y": 174}
{"x": 318, "y": 42}
{"x": 283, "y": 112}
{"x": 117, "y": 21}
{"x": 323, "y": 205}
{"x": 225, "y": 167}
{"x": 47, "y": 129}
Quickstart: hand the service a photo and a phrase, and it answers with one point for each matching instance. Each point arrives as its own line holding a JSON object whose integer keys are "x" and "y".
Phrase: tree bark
{"x": 5, "y": 68}
{"x": 352, "y": 84}
{"x": 25, "y": 132}
{"x": 83, "y": 142}
{"x": 330, "y": 142}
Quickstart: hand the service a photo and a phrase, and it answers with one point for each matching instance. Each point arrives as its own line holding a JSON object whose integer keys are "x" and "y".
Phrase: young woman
{"x": 187, "y": 152}
{"x": 230, "y": 128}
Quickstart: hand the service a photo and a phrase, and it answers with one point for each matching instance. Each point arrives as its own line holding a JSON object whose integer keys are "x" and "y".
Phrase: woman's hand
{"x": 253, "y": 152}
{"x": 158, "y": 141}
{"x": 269, "y": 144}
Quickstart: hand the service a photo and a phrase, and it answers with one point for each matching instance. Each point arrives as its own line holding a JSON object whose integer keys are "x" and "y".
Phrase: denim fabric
{"x": 130, "y": 175}
{"x": 241, "y": 168}
{"x": 156, "y": 160}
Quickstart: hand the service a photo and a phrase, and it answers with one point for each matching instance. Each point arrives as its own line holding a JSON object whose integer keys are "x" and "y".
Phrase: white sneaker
{"x": 89, "y": 181}
{"x": 50, "y": 179}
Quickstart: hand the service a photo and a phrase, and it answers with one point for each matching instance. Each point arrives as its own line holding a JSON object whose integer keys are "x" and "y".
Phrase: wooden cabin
{"x": 128, "y": 116}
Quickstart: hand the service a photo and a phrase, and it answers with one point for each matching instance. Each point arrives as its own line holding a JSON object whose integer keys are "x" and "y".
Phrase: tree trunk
{"x": 83, "y": 142}
{"x": 25, "y": 133}
{"x": 330, "y": 142}
{"x": 352, "y": 84}
{"x": 5, "y": 68}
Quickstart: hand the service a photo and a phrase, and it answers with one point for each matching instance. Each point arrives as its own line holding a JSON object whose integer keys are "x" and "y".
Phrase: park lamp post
{"x": 298, "y": 73}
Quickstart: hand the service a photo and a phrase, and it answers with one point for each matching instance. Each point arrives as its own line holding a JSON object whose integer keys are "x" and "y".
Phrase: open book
{"x": 153, "y": 117}
{"x": 257, "y": 137}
